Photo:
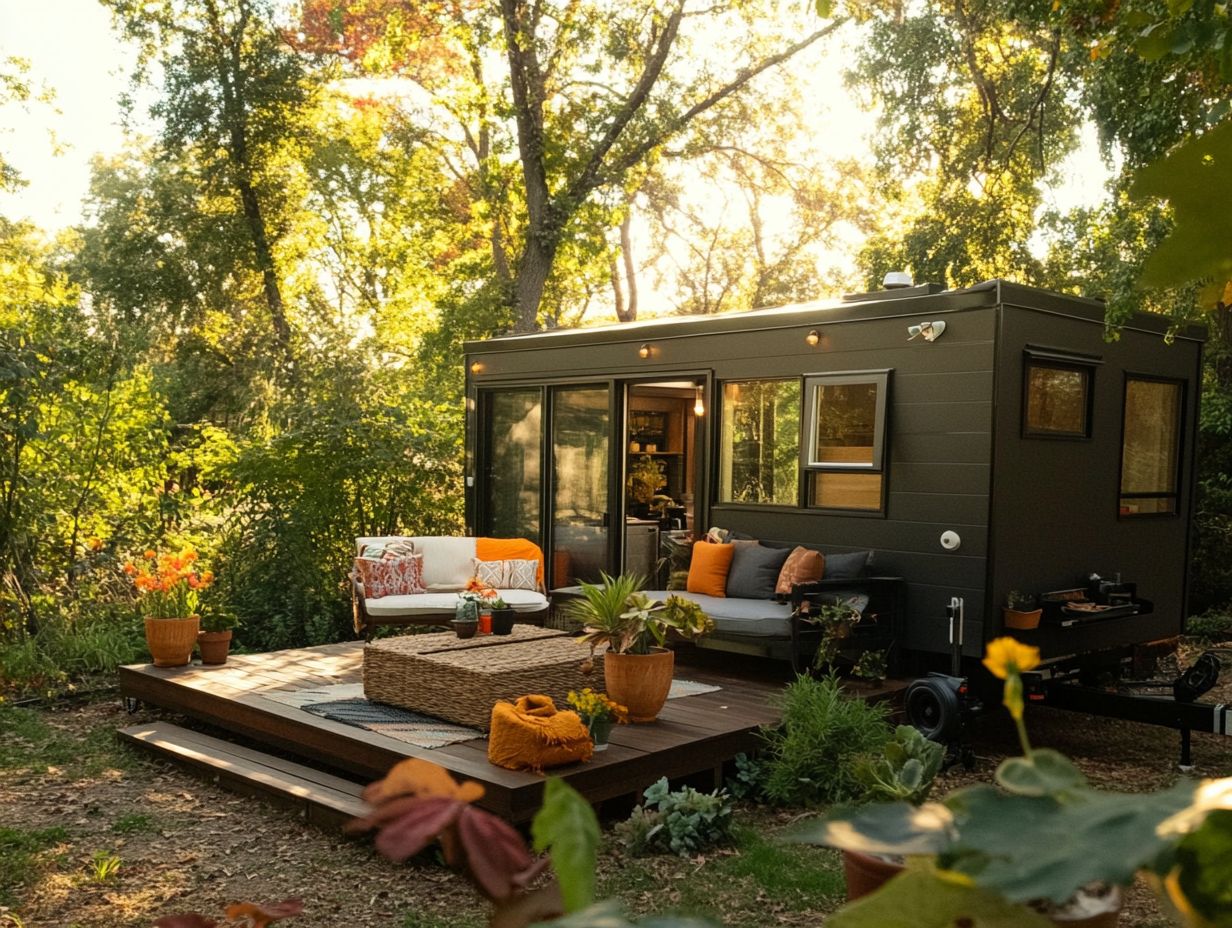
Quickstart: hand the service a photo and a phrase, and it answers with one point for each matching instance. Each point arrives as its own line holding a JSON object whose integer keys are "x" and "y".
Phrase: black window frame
{"x": 809, "y": 466}
{"x": 719, "y": 420}
{"x": 1056, "y": 359}
{"x": 1175, "y": 495}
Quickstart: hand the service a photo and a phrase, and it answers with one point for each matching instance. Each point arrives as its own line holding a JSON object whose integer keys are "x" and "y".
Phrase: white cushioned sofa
{"x": 448, "y": 563}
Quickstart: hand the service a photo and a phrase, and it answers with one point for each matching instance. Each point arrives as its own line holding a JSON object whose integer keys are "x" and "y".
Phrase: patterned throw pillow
{"x": 512, "y": 574}
{"x": 386, "y": 549}
{"x": 803, "y": 565}
{"x": 490, "y": 573}
{"x": 399, "y": 576}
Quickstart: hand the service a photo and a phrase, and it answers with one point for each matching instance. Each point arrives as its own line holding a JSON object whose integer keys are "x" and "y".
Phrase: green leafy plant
{"x": 749, "y": 779}
{"x": 684, "y": 821}
{"x": 1040, "y": 836}
{"x": 216, "y": 620}
{"x": 810, "y": 756}
{"x": 871, "y": 666}
{"x": 1020, "y": 602}
{"x": 905, "y": 768}
{"x": 1213, "y": 626}
{"x": 645, "y": 477}
{"x": 497, "y": 603}
{"x": 835, "y": 621}
{"x": 614, "y": 612}
{"x": 103, "y": 866}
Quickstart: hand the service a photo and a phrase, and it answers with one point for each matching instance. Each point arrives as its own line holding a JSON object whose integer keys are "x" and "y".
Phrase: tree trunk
{"x": 626, "y": 252}
{"x": 533, "y": 271}
{"x": 265, "y": 261}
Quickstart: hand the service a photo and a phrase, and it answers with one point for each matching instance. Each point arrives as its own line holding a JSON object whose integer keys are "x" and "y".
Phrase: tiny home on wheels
{"x": 978, "y": 441}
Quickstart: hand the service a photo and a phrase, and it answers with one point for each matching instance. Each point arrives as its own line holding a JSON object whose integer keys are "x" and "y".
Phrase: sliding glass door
{"x": 513, "y": 488}
{"x": 581, "y": 482}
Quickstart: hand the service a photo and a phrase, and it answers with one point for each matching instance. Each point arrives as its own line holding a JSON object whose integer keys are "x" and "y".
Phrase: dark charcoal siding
{"x": 1055, "y": 502}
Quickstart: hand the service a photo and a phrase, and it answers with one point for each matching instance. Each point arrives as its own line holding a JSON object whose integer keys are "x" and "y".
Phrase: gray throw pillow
{"x": 846, "y": 566}
{"x": 755, "y": 571}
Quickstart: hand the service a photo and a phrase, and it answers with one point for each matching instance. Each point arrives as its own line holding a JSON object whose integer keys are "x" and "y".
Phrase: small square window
{"x": 1057, "y": 399}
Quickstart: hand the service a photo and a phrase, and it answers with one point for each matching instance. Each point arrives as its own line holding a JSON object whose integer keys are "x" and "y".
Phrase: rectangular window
{"x": 845, "y": 454}
{"x": 759, "y": 450}
{"x": 1151, "y": 447}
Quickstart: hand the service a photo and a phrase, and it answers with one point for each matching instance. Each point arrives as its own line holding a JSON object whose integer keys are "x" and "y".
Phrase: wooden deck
{"x": 693, "y": 735}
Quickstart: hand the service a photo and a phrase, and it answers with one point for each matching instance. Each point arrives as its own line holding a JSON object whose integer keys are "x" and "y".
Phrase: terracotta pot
{"x": 639, "y": 682}
{"x": 171, "y": 640}
{"x": 214, "y": 646}
{"x": 1022, "y": 620}
{"x": 867, "y": 873}
{"x": 502, "y": 621}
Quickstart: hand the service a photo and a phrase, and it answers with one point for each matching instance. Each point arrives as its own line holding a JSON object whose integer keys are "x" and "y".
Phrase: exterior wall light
{"x": 930, "y": 331}
{"x": 644, "y": 351}
{"x": 813, "y": 338}
{"x": 476, "y": 367}
{"x": 699, "y": 405}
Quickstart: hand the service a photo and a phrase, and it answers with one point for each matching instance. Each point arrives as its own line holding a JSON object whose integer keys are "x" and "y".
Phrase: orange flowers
{"x": 170, "y": 586}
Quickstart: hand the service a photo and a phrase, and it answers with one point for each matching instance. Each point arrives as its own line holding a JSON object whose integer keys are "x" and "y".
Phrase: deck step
{"x": 322, "y": 798}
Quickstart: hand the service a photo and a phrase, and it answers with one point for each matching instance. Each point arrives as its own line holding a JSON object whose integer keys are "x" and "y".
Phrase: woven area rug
{"x": 345, "y": 703}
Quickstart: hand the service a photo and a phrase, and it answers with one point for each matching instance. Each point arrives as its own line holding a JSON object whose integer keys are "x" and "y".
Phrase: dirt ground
{"x": 184, "y": 845}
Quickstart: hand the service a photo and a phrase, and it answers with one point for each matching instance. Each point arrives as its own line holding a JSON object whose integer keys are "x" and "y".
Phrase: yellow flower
{"x": 95, "y": 544}
{"x": 1004, "y": 656}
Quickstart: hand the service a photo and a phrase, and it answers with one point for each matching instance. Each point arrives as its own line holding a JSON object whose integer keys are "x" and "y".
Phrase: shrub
{"x": 749, "y": 780}
{"x": 1212, "y": 627}
{"x": 811, "y": 755}
{"x": 684, "y": 822}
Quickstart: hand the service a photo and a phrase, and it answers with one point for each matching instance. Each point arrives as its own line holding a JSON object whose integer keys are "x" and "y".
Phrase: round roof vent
{"x": 896, "y": 280}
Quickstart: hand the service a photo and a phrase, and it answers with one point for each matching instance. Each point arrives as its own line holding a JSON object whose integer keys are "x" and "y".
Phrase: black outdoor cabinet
{"x": 978, "y": 441}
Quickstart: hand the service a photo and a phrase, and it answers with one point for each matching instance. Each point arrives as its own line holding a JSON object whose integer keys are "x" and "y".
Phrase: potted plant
{"x": 465, "y": 618}
{"x": 214, "y": 638}
{"x": 904, "y": 771}
{"x": 598, "y": 714}
{"x": 637, "y": 668}
{"x": 481, "y": 596}
{"x": 502, "y": 617}
{"x": 1042, "y": 846}
{"x": 1021, "y": 611}
{"x": 168, "y": 586}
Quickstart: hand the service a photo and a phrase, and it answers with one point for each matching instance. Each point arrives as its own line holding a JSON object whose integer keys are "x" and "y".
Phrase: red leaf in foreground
{"x": 261, "y": 915}
{"x": 421, "y": 822}
{"x": 191, "y": 920}
{"x": 495, "y": 853}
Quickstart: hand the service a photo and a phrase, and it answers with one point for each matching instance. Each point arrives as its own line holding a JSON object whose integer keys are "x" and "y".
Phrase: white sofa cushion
{"x": 428, "y": 603}
{"x": 447, "y": 561}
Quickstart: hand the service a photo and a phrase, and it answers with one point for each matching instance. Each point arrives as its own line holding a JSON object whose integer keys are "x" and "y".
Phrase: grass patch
{"x": 748, "y": 886}
{"x": 20, "y": 857}
{"x": 28, "y": 742}
{"x": 135, "y": 823}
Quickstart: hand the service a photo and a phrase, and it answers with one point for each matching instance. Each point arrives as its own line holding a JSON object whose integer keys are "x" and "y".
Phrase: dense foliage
{"x": 250, "y": 345}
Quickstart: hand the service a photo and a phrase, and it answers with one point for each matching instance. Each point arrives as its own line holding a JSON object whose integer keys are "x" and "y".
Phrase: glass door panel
{"x": 581, "y": 462}
{"x": 513, "y": 441}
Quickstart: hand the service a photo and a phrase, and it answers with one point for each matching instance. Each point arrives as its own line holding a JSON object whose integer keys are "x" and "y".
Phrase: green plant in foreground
{"x": 1041, "y": 835}
{"x": 810, "y": 756}
{"x": 905, "y": 769}
{"x": 684, "y": 821}
{"x": 103, "y": 866}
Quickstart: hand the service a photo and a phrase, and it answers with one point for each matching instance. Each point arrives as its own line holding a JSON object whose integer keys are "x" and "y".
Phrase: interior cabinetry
{"x": 661, "y": 428}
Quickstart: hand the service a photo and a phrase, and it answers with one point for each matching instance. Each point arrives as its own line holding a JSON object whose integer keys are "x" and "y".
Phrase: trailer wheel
{"x": 932, "y": 705}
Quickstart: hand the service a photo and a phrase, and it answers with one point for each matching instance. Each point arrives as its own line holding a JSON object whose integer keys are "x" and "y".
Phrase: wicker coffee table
{"x": 461, "y": 679}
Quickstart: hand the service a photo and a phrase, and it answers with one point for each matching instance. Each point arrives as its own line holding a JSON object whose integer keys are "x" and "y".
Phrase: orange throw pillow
{"x": 708, "y": 571}
{"x": 803, "y": 565}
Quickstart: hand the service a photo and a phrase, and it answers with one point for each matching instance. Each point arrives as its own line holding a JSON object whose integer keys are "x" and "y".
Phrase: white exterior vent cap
{"x": 895, "y": 280}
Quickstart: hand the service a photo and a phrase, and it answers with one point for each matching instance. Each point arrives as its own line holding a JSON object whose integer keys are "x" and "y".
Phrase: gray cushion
{"x": 847, "y": 565}
{"x": 758, "y": 618}
{"x": 754, "y": 571}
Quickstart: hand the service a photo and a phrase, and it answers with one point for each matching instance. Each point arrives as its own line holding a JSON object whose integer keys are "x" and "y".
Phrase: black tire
{"x": 933, "y": 707}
